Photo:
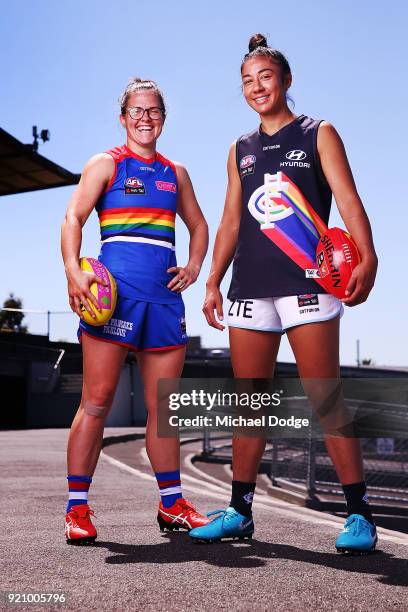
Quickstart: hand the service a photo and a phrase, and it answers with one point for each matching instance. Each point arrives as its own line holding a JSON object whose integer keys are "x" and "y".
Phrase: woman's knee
{"x": 98, "y": 400}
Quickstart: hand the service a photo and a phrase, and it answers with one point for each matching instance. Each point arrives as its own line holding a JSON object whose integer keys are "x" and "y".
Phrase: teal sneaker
{"x": 358, "y": 536}
{"x": 230, "y": 524}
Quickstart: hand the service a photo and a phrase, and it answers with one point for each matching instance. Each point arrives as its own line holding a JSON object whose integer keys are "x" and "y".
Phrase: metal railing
{"x": 305, "y": 462}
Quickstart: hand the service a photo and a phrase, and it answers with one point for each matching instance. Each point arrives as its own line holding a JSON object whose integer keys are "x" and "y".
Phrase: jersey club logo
{"x": 287, "y": 219}
{"x": 266, "y": 204}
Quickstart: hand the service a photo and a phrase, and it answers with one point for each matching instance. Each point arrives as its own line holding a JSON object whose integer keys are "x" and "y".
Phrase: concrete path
{"x": 290, "y": 565}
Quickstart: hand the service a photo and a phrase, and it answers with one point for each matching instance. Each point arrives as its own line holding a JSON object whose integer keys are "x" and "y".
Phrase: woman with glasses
{"x": 296, "y": 160}
{"x": 136, "y": 193}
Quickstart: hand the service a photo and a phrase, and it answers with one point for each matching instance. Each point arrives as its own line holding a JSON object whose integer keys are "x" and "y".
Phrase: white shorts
{"x": 280, "y": 313}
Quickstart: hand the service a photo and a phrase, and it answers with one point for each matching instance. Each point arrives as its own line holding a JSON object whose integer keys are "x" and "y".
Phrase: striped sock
{"x": 78, "y": 487}
{"x": 170, "y": 487}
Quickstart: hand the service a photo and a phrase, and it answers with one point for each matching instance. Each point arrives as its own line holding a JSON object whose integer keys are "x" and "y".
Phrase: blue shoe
{"x": 358, "y": 535}
{"x": 230, "y": 524}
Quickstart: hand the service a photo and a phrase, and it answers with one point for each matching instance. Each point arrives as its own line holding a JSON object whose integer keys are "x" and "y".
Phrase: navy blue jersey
{"x": 288, "y": 161}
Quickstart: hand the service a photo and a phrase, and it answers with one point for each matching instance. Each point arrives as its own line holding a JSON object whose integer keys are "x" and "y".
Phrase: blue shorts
{"x": 142, "y": 326}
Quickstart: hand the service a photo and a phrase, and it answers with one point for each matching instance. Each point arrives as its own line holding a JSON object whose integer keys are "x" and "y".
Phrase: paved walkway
{"x": 291, "y": 564}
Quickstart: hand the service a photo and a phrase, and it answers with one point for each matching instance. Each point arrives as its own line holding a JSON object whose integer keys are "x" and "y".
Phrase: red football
{"x": 336, "y": 256}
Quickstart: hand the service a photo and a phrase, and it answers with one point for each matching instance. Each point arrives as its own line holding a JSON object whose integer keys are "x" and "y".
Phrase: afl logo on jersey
{"x": 247, "y": 165}
{"x": 134, "y": 186}
{"x": 295, "y": 155}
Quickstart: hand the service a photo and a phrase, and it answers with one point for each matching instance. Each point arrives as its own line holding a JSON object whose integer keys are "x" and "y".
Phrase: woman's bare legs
{"x": 164, "y": 453}
{"x": 253, "y": 355}
{"x": 103, "y": 363}
{"x": 316, "y": 350}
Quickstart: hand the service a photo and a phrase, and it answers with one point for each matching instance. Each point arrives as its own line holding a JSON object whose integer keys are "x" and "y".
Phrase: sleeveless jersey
{"x": 261, "y": 268}
{"x": 137, "y": 219}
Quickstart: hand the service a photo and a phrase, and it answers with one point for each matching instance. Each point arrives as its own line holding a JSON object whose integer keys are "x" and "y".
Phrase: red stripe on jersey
{"x": 146, "y": 160}
{"x": 135, "y": 209}
{"x": 118, "y": 153}
{"x": 137, "y": 215}
{"x": 109, "y": 185}
{"x": 166, "y": 162}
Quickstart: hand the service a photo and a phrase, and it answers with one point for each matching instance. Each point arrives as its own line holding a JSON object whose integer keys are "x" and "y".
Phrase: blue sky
{"x": 65, "y": 64}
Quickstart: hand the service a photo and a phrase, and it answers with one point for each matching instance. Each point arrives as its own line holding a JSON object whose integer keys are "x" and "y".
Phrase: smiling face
{"x": 142, "y": 133}
{"x": 262, "y": 85}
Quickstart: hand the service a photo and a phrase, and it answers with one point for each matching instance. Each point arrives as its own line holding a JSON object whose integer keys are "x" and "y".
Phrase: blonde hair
{"x": 137, "y": 84}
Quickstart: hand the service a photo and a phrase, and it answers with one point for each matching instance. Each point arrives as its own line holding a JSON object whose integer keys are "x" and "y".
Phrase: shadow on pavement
{"x": 390, "y": 570}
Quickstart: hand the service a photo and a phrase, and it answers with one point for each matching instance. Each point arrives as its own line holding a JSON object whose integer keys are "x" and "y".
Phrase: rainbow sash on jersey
{"x": 288, "y": 219}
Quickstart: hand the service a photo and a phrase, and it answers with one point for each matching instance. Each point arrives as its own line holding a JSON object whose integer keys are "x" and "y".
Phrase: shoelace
{"x": 226, "y": 516}
{"x": 186, "y": 505}
{"x": 214, "y": 512}
{"x": 355, "y": 524}
{"x": 88, "y": 513}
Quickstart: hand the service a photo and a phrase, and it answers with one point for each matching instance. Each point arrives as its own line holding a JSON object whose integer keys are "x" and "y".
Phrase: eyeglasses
{"x": 154, "y": 112}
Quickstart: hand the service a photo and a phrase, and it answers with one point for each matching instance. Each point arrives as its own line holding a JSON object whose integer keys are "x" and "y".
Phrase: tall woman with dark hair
{"x": 136, "y": 193}
{"x": 273, "y": 288}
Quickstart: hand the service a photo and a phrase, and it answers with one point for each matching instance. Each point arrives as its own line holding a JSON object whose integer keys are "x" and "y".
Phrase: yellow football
{"x": 105, "y": 294}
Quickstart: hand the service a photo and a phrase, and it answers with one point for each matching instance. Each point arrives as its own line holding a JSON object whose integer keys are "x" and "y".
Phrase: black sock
{"x": 357, "y": 500}
{"x": 242, "y": 496}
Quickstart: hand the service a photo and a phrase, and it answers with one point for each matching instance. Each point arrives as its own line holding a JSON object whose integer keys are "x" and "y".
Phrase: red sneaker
{"x": 181, "y": 515}
{"x": 78, "y": 525}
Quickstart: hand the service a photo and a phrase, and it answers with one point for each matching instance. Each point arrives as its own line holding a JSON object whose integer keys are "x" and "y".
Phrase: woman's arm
{"x": 225, "y": 242}
{"x": 190, "y": 212}
{"x": 337, "y": 171}
{"x": 94, "y": 179}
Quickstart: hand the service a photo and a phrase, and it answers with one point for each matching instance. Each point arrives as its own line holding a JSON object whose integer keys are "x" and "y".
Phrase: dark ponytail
{"x": 258, "y": 45}
{"x": 257, "y": 40}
